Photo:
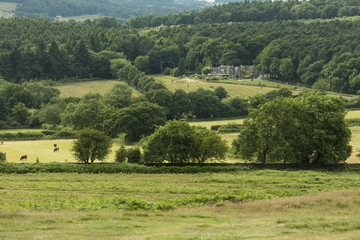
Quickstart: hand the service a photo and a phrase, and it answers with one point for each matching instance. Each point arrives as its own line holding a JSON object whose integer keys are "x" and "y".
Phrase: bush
{"x": 48, "y": 132}
{"x": 64, "y": 134}
{"x": 2, "y": 157}
{"x": 134, "y": 155}
{"x": 167, "y": 71}
{"x": 175, "y": 72}
{"x": 120, "y": 154}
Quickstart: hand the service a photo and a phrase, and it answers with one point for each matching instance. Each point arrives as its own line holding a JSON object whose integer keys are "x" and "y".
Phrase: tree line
{"x": 120, "y": 9}
{"x": 319, "y": 53}
{"x": 261, "y": 11}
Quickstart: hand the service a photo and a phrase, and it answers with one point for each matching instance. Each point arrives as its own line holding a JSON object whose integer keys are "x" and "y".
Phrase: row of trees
{"x": 255, "y": 11}
{"x": 309, "y": 128}
{"x": 120, "y": 9}
{"x": 320, "y": 53}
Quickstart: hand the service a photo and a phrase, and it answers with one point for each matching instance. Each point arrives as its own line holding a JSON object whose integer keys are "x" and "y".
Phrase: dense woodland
{"x": 120, "y": 9}
{"x": 262, "y": 11}
{"x": 323, "y": 53}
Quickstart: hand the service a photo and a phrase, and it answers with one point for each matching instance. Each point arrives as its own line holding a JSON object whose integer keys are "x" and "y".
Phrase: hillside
{"x": 119, "y": 9}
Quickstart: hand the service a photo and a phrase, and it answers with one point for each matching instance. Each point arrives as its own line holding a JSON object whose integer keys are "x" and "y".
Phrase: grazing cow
{"x": 56, "y": 149}
{"x": 23, "y": 157}
{"x": 1, "y": 142}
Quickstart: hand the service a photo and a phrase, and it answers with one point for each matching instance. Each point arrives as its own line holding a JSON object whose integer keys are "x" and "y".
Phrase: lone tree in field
{"x": 178, "y": 142}
{"x": 310, "y": 128}
{"x": 91, "y": 145}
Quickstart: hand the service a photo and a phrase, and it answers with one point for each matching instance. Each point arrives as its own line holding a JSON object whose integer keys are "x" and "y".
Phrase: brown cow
{"x": 1, "y": 142}
{"x": 23, "y": 157}
{"x": 56, "y": 149}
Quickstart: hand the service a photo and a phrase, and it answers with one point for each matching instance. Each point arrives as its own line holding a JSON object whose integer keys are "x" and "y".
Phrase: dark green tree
{"x": 178, "y": 142}
{"x": 307, "y": 129}
{"x": 91, "y": 145}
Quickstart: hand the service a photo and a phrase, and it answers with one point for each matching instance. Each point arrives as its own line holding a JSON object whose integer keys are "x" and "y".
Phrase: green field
{"x": 28, "y": 130}
{"x": 82, "y": 18}
{"x": 302, "y": 205}
{"x": 208, "y": 124}
{"x": 43, "y": 150}
{"x": 188, "y": 85}
{"x": 8, "y": 6}
{"x": 353, "y": 114}
{"x": 82, "y": 88}
{"x": 246, "y": 88}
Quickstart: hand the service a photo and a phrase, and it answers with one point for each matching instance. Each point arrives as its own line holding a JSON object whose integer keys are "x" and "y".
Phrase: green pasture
{"x": 262, "y": 204}
{"x": 82, "y": 18}
{"x": 188, "y": 85}
{"x": 353, "y": 114}
{"x": 82, "y": 88}
{"x": 8, "y": 6}
{"x": 208, "y": 124}
{"x": 28, "y": 130}
{"x": 43, "y": 150}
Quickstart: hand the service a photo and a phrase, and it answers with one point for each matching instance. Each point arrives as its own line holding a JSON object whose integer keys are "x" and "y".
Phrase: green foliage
{"x": 119, "y": 96}
{"x": 91, "y": 145}
{"x": 20, "y": 113}
{"x": 221, "y": 93}
{"x": 2, "y": 157}
{"x": 178, "y": 142}
{"x": 134, "y": 155}
{"x": 307, "y": 129}
{"x": 120, "y": 154}
{"x": 137, "y": 120}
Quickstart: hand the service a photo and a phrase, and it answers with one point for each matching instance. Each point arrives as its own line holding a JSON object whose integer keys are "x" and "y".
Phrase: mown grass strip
{"x": 111, "y": 168}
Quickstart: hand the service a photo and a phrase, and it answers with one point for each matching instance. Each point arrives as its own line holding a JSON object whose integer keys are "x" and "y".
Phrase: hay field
{"x": 304, "y": 205}
{"x": 82, "y": 18}
{"x": 82, "y": 88}
{"x": 188, "y": 85}
{"x": 43, "y": 150}
{"x": 7, "y": 6}
{"x": 208, "y": 124}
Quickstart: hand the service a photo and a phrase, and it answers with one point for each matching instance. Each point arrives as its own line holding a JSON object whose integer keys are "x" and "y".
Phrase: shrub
{"x": 134, "y": 155}
{"x": 64, "y": 134}
{"x": 120, "y": 154}
{"x": 175, "y": 72}
{"x": 48, "y": 132}
{"x": 167, "y": 71}
{"x": 2, "y": 157}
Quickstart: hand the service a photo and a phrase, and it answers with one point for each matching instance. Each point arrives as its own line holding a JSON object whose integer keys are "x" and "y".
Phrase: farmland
{"x": 43, "y": 151}
{"x": 8, "y": 6}
{"x": 68, "y": 206}
{"x": 82, "y": 18}
{"x": 234, "y": 88}
{"x": 82, "y": 88}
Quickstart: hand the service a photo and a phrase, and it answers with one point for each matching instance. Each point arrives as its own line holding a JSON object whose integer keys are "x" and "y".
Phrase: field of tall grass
{"x": 248, "y": 204}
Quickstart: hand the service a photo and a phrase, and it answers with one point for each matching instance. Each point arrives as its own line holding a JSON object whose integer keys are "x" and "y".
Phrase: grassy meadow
{"x": 233, "y": 88}
{"x": 7, "y": 6}
{"x": 248, "y": 204}
{"x": 82, "y": 18}
{"x": 43, "y": 150}
{"x": 82, "y": 88}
